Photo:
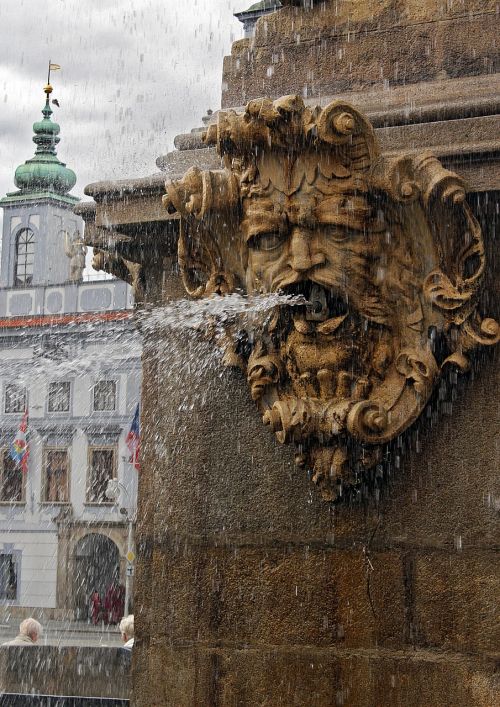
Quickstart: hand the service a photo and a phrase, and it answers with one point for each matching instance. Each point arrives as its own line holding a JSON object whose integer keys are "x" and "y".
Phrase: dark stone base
{"x": 51, "y": 673}
{"x": 16, "y": 700}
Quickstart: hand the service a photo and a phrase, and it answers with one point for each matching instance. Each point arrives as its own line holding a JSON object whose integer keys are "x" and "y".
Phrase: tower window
{"x": 25, "y": 257}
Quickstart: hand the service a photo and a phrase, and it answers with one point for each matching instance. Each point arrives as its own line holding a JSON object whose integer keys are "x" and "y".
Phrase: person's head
{"x": 127, "y": 627}
{"x": 32, "y": 628}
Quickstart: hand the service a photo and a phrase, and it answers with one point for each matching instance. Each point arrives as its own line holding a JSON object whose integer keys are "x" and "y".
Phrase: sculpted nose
{"x": 300, "y": 252}
{"x": 303, "y": 255}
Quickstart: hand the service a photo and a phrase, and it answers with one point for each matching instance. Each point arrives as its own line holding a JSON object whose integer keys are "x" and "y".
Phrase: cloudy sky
{"x": 135, "y": 73}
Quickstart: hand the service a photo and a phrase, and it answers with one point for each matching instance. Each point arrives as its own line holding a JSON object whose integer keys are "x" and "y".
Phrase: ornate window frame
{"x": 19, "y": 411}
{"x": 97, "y": 447}
{"x": 44, "y": 486}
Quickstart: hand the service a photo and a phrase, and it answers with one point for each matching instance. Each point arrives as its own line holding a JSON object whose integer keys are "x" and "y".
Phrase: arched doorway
{"x": 97, "y": 569}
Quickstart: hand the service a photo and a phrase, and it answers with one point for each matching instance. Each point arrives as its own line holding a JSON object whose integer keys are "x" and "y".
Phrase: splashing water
{"x": 249, "y": 311}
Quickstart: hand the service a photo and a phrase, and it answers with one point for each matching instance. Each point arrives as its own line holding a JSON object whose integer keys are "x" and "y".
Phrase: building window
{"x": 56, "y": 479}
{"x": 8, "y": 577}
{"x": 11, "y": 480}
{"x": 59, "y": 396}
{"x": 15, "y": 398}
{"x": 105, "y": 396}
{"x": 25, "y": 257}
{"x": 102, "y": 469}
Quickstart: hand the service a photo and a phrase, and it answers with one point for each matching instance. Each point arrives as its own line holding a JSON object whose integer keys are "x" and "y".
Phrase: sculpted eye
{"x": 343, "y": 233}
{"x": 266, "y": 241}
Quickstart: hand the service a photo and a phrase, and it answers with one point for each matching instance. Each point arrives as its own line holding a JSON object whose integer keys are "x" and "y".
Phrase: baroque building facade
{"x": 70, "y": 358}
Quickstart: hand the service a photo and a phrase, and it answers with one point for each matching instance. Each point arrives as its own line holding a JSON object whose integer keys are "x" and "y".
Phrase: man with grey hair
{"x": 127, "y": 631}
{"x": 30, "y": 631}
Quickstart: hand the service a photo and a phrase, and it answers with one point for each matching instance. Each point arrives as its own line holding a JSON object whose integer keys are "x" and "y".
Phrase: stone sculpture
{"x": 114, "y": 264}
{"x": 385, "y": 250}
{"x": 76, "y": 250}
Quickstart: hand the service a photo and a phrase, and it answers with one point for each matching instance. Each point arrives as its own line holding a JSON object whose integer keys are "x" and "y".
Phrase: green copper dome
{"x": 44, "y": 172}
{"x": 264, "y": 5}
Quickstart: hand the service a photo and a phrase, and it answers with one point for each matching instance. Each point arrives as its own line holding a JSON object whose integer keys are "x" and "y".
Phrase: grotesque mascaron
{"x": 384, "y": 252}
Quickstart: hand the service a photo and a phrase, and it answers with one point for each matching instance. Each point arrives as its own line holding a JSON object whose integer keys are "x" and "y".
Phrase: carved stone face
{"x": 328, "y": 249}
{"x": 310, "y": 239}
{"x": 386, "y": 255}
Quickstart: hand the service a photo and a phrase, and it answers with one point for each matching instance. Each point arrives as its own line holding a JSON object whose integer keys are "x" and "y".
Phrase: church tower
{"x": 38, "y": 216}
{"x": 248, "y": 18}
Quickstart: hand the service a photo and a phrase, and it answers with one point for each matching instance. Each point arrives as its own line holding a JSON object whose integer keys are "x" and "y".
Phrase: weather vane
{"x": 48, "y": 87}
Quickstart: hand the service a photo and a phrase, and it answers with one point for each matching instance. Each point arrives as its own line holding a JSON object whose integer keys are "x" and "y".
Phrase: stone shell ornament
{"x": 385, "y": 253}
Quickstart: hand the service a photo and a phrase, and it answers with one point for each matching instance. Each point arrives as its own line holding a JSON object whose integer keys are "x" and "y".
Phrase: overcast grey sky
{"x": 134, "y": 74}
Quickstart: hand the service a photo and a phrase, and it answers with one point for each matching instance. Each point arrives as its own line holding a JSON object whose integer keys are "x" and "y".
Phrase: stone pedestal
{"x": 252, "y": 591}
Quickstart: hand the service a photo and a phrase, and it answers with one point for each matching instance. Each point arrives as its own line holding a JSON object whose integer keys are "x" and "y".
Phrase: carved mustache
{"x": 364, "y": 299}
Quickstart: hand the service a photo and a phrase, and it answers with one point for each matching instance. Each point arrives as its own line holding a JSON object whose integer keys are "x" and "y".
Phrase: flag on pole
{"x": 133, "y": 440}
{"x": 52, "y": 67}
{"x": 19, "y": 450}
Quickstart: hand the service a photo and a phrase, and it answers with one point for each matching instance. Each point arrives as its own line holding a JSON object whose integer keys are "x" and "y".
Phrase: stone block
{"x": 289, "y": 595}
{"x": 445, "y": 492}
{"x": 456, "y": 601}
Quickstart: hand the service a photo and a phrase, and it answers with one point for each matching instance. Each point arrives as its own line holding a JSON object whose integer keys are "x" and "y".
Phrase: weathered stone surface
{"x": 239, "y": 577}
{"x": 48, "y": 670}
{"x": 308, "y": 678}
{"x": 456, "y": 601}
{"x": 323, "y": 596}
{"x": 345, "y": 46}
{"x": 174, "y": 164}
{"x": 446, "y": 494}
{"x": 250, "y": 590}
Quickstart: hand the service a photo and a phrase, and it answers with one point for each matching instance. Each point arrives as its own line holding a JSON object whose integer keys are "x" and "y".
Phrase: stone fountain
{"x": 342, "y": 552}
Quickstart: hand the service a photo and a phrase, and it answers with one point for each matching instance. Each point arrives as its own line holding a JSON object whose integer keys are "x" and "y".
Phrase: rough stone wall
{"x": 352, "y": 45}
{"x": 49, "y": 670}
{"x": 253, "y": 591}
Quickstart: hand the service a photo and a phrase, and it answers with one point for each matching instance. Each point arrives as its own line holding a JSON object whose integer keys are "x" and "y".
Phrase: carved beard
{"x": 328, "y": 350}
{"x": 311, "y": 364}
{"x": 335, "y": 345}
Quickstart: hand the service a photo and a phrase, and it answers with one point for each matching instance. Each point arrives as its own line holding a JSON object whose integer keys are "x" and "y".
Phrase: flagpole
{"x": 129, "y": 568}
{"x": 52, "y": 67}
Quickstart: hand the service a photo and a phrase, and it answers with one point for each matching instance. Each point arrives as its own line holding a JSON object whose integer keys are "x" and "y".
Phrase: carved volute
{"x": 386, "y": 253}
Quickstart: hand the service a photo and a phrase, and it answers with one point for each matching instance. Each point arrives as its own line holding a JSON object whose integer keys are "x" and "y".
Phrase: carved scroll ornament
{"x": 386, "y": 252}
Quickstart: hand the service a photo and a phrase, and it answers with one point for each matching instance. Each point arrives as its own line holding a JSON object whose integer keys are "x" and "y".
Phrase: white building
{"x": 249, "y": 17}
{"x": 70, "y": 355}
